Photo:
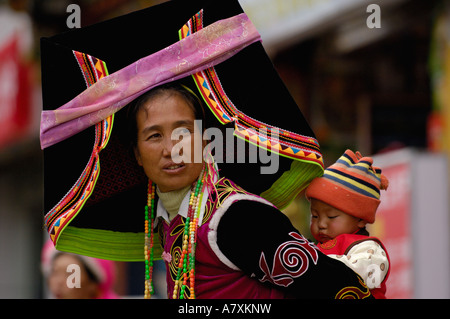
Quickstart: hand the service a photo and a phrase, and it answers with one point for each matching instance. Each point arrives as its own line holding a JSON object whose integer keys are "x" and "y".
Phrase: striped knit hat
{"x": 351, "y": 185}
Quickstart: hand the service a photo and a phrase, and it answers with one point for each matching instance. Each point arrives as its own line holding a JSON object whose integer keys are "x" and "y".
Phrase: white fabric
{"x": 162, "y": 212}
{"x": 368, "y": 259}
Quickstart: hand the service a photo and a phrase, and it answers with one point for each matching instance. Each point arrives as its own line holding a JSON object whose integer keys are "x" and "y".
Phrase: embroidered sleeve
{"x": 369, "y": 260}
{"x": 261, "y": 241}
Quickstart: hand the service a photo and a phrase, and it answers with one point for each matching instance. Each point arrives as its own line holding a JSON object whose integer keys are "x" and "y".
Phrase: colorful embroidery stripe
{"x": 193, "y": 25}
{"x": 274, "y": 145}
{"x": 56, "y": 219}
{"x": 288, "y": 138}
{"x": 210, "y": 97}
{"x": 289, "y": 144}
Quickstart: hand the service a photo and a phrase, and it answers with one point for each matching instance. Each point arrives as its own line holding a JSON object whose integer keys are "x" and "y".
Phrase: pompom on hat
{"x": 351, "y": 185}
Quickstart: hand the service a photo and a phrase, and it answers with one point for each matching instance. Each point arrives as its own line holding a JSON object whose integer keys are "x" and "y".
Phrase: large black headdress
{"x": 94, "y": 191}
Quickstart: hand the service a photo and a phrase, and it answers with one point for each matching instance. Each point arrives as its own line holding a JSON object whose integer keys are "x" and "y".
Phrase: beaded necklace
{"x": 186, "y": 265}
{"x": 148, "y": 240}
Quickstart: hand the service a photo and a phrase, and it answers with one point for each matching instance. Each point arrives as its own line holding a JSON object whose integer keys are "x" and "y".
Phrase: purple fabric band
{"x": 201, "y": 50}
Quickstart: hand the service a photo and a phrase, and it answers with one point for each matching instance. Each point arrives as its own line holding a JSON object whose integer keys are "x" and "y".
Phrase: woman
{"x": 218, "y": 240}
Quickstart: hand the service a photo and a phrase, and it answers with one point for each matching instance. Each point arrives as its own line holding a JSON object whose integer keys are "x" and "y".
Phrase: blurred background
{"x": 369, "y": 78}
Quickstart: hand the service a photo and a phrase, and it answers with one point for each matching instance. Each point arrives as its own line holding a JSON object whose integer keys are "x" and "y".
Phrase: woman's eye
{"x": 153, "y": 136}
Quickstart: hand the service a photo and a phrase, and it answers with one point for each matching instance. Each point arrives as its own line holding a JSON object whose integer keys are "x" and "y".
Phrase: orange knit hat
{"x": 351, "y": 185}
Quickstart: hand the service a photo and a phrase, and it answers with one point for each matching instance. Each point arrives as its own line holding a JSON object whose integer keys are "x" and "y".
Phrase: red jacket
{"x": 342, "y": 244}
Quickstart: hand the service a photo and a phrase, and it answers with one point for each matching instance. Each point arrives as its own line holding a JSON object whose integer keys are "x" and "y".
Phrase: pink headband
{"x": 203, "y": 49}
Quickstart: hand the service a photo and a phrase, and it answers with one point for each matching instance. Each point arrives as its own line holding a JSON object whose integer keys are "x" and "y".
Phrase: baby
{"x": 342, "y": 202}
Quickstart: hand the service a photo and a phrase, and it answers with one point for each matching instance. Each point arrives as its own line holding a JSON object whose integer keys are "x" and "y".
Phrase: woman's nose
{"x": 167, "y": 146}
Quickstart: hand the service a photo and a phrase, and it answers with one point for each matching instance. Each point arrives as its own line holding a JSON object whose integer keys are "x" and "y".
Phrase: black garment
{"x": 265, "y": 245}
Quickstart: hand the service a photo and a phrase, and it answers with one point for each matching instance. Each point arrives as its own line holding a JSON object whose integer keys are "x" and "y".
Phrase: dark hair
{"x": 170, "y": 88}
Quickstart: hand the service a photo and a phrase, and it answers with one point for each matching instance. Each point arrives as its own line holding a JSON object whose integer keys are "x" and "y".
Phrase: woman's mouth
{"x": 173, "y": 168}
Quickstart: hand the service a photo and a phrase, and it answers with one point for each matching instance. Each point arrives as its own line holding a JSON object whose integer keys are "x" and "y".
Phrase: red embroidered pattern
{"x": 291, "y": 260}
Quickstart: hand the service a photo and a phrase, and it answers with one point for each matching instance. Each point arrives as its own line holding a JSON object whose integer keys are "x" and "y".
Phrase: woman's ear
{"x": 137, "y": 155}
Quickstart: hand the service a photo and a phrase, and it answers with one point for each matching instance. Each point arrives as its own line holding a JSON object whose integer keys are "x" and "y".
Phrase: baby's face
{"x": 328, "y": 222}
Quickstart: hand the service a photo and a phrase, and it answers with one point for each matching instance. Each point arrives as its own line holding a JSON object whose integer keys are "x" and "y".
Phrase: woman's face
{"x": 59, "y": 276}
{"x": 157, "y": 120}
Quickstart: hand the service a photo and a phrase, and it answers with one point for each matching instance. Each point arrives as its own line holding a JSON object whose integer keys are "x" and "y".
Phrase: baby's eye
{"x": 332, "y": 217}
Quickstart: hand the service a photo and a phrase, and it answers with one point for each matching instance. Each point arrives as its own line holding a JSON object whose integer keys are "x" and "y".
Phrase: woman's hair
{"x": 170, "y": 88}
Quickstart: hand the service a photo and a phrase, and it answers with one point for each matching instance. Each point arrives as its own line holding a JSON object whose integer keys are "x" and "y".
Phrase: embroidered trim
{"x": 291, "y": 260}
{"x": 57, "y": 218}
{"x": 329, "y": 244}
{"x": 352, "y": 292}
{"x": 286, "y": 143}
